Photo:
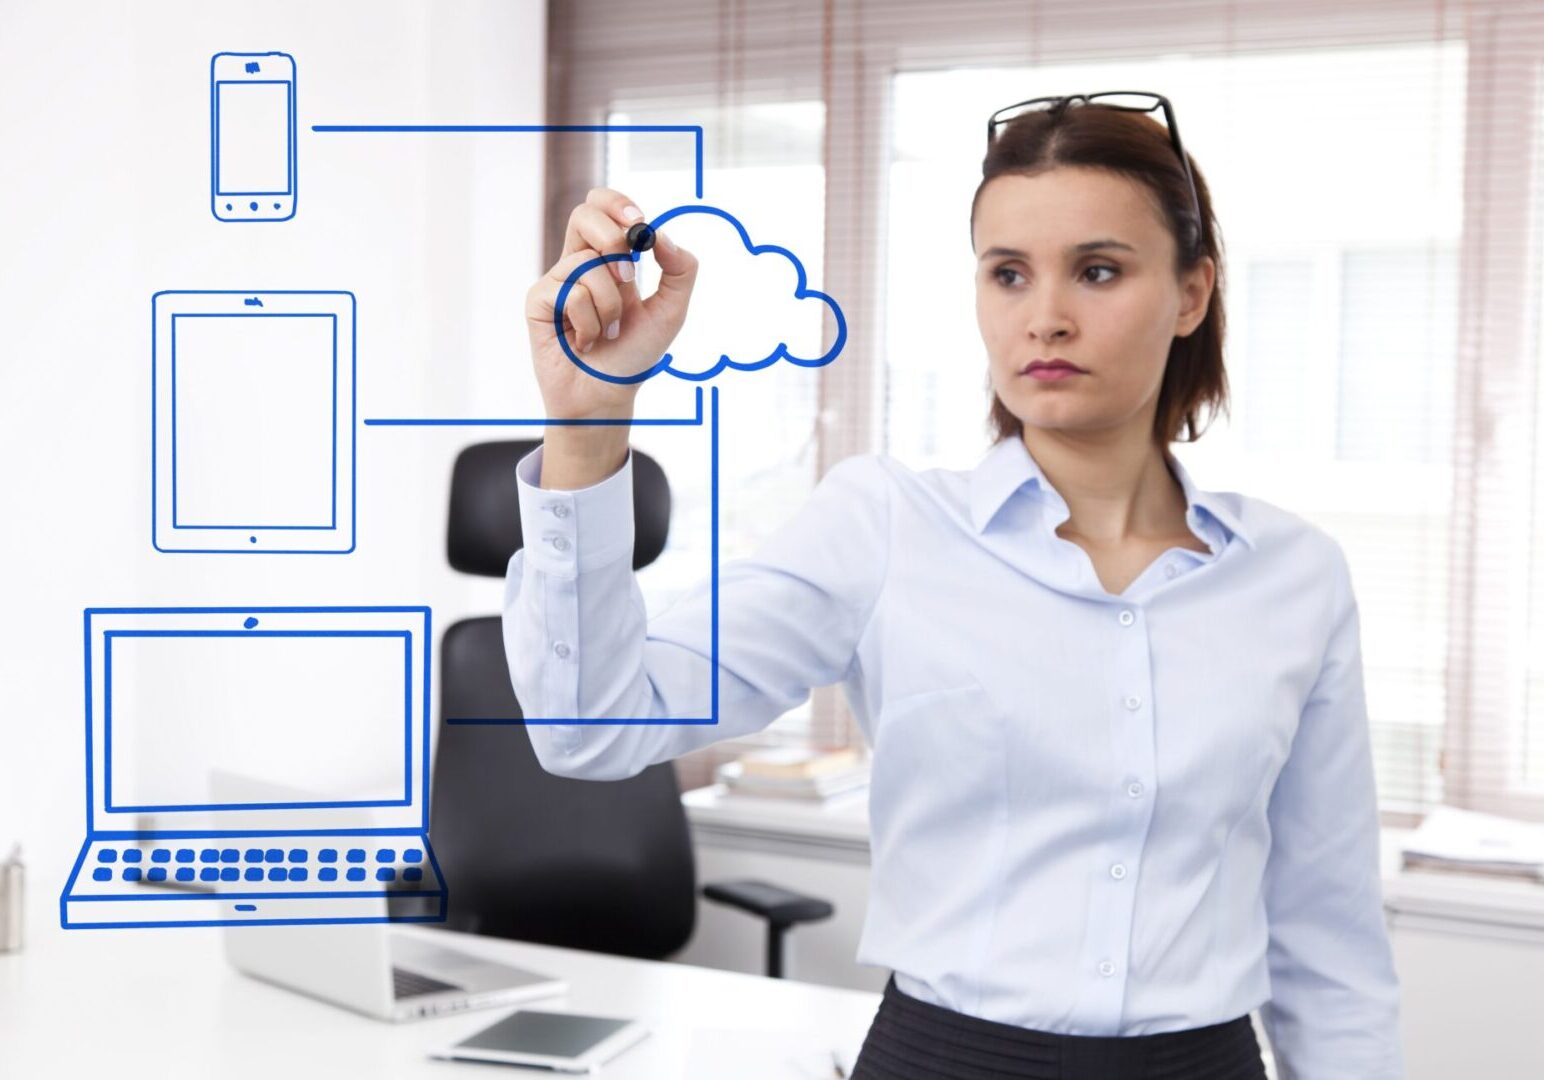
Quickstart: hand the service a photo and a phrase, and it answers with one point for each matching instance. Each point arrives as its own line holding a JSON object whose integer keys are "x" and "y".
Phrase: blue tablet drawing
{"x": 253, "y": 413}
{"x": 255, "y": 765}
{"x": 252, "y": 171}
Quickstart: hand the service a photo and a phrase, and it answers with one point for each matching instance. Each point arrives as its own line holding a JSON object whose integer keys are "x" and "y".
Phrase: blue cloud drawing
{"x": 801, "y": 292}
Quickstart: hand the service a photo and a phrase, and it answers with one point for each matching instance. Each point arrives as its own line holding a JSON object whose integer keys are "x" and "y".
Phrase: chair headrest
{"x": 484, "y": 527}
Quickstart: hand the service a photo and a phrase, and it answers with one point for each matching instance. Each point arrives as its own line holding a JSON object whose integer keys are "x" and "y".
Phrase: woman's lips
{"x": 1052, "y": 374}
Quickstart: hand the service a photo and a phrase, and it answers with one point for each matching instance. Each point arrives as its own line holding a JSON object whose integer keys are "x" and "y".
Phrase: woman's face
{"x": 1112, "y": 311}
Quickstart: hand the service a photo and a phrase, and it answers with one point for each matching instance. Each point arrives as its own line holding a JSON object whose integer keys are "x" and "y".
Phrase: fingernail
{"x": 632, "y": 213}
{"x": 625, "y": 268}
{"x": 665, "y": 242}
{"x": 613, "y": 330}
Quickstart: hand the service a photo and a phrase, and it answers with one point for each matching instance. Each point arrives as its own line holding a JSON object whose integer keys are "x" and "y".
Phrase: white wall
{"x": 104, "y": 192}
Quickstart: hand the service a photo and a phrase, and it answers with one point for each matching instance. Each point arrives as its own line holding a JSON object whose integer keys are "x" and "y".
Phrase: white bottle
{"x": 10, "y": 901}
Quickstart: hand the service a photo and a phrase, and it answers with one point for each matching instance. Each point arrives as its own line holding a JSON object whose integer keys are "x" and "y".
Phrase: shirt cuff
{"x": 569, "y": 532}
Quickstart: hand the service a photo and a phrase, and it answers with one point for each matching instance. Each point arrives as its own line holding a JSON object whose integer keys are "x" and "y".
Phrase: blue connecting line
{"x": 683, "y": 421}
{"x": 713, "y": 620}
{"x": 696, "y": 420}
{"x": 694, "y": 129}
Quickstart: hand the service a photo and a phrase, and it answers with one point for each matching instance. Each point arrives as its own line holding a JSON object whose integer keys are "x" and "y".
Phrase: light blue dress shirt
{"x": 1090, "y": 814}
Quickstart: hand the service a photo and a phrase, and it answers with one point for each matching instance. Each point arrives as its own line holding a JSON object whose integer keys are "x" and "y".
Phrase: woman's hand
{"x": 606, "y": 322}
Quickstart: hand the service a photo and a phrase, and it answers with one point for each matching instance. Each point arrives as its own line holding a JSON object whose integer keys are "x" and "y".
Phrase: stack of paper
{"x": 1451, "y": 838}
{"x": 795, "y": 772}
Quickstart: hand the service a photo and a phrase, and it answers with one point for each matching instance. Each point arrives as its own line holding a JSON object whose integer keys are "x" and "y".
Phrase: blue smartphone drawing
{"x": 252, "y": 170}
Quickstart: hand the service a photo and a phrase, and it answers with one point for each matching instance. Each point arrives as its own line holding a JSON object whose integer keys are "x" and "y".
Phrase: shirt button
{"x": 560, "y": 542}
{"x": 1117, "y": 871}
{"x": 1134, "y": 789}
{"x": 1170, "y": 570}
{"x": 1133, "y": 702}
{"x": 562, "y": 511}
{"x": 1106, "y": 968}
{"x": 561, "y": 649}
{"x": 1127, "y": 618}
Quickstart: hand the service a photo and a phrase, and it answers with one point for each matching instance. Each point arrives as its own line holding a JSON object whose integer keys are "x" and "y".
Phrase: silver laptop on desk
{"x": 375, "y": 969}
{"x": 369, "y": 965}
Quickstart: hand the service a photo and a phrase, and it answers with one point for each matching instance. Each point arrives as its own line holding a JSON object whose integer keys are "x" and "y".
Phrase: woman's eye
{"x": 1001, "y": 270}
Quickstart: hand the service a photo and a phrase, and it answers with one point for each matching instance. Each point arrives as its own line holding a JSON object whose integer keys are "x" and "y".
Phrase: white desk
{"x": 164, "y": 1003}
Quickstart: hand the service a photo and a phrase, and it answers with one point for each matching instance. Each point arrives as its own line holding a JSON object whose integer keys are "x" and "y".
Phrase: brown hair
{"x": 1137, "y": 146}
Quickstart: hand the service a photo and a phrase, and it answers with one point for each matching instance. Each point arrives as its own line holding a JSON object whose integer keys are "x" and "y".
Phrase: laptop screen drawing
{"x": 235, "y": 753}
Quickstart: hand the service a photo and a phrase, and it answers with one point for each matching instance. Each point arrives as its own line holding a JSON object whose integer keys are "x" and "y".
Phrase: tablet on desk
{"x": 565, "y": 1042}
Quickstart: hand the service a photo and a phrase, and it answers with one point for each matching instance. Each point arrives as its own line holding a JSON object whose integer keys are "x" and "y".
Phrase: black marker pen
{"x": 640, "y": 237}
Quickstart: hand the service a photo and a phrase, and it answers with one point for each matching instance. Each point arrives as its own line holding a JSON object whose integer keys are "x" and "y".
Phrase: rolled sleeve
{"x": 1334, "y": 1007}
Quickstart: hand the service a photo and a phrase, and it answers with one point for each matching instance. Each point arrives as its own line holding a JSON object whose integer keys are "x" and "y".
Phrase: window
{"x": 764, "y": 167}
{"x": 1377, "y": 169}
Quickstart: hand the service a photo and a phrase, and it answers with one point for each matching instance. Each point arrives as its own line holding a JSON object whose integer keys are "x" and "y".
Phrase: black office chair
{"x": 605, "y": 866}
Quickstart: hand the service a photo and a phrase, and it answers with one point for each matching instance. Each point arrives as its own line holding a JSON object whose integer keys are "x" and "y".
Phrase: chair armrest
{"x": 777, "y": 905}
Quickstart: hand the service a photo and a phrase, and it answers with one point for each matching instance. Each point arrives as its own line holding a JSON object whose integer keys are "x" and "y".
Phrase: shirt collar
{"x": 1009, "y": 466}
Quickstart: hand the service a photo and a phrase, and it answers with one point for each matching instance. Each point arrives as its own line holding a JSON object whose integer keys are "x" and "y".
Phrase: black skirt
{"x": 917, "y": 1040}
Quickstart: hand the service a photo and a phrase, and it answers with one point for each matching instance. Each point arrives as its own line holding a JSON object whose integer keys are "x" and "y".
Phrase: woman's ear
{"x": 1196, "y": 290}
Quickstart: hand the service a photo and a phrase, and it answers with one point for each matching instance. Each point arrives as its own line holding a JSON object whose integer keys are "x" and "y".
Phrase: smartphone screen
{"x": 253, "y": 137}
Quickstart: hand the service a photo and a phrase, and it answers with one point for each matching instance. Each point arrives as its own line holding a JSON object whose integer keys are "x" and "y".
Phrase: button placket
{"x": 1111, "y": 913}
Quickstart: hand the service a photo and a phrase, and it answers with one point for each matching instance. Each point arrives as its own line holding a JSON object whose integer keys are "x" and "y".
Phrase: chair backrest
{"x": 483, "y": 530}
{"x": 526, "y": 854}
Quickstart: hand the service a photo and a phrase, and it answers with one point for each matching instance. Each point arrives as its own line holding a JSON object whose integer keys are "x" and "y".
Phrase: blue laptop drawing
{"x": 255, "y": 765}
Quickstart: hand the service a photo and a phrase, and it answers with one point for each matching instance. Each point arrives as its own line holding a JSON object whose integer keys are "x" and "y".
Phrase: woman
{"x": 1122, "y": 790}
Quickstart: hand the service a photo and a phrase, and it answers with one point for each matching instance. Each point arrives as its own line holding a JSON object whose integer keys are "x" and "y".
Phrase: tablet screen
{"x": 553, "y": 1034}
{"x": 254, "y": 441}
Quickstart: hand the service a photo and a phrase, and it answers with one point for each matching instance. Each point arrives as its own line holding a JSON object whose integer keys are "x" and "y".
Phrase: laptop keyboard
{"x": 406, "y": 984}
{"x": 323, "y": 865}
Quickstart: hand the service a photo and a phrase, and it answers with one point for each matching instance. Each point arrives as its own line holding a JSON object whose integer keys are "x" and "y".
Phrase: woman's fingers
{"x": 678, "y": 273}
{"x": 580, "y": 309}
{"x": 601, "y": 223}
{"x": 605, "y": 300}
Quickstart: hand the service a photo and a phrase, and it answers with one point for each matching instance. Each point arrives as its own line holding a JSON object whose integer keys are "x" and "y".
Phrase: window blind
{"x": 1376, "y": 170}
